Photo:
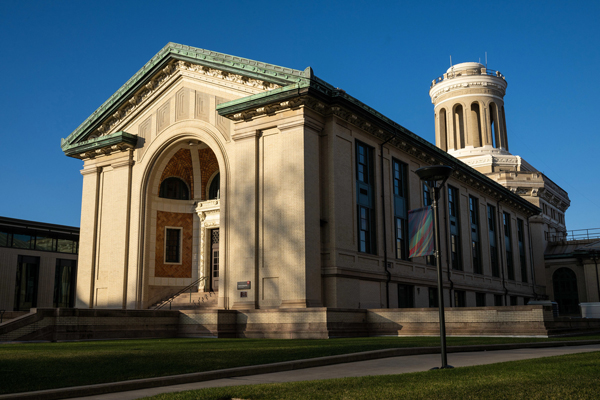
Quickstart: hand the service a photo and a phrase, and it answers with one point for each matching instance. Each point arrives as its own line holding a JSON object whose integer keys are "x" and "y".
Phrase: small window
{"x": 480, "y": 299}
{"x": 433, "y": 297}
{"x": 514, "y": 301}
{"x": 173, "y": 245}
{"x": 498, "y": 300}
{"x": 406, "y": 296}
{"x": 460, "y": 298}
{"x": 174, "y": 188}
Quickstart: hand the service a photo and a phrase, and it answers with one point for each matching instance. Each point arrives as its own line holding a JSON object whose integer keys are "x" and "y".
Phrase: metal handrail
{"x": 467, "y": 72}
{"x": 172, "y": 297}
{"x": 577, "y": 234}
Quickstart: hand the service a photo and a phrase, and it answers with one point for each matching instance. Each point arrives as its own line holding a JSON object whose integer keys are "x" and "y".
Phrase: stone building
{"x": 470, "y": 123}
{"x": 270, "y": 188}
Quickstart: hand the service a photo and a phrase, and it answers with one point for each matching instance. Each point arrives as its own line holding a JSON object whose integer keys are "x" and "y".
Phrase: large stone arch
{"x": 145, "y": 188}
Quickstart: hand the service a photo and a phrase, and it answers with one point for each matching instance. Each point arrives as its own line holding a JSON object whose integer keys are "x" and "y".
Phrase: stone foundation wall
{"x": 85, "y": 324}
{"x": 303, "y": 323}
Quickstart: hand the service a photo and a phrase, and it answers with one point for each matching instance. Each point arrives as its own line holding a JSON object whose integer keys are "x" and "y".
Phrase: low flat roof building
{"x": 38, "y": 264}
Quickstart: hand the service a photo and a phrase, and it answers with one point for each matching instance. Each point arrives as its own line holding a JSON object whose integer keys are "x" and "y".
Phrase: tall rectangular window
{"x": 64, "y": 283}
{"x": 400, "y": 209}
{"x": 460, "y": 298}
{"x": 522, "y": 258}
{"x": 406, "y": 296}
{"x": 433, "y": 297}
{"x": 453, "y": 214}
{"x": 510, "y": 267}
{"x": 173, "y": 245}
{"x": 427, "y": 201}
{"x": 491, "y": 212}
{"x": 480, "y": 299}
{"x": 365, "y": 198}
{"x": 26, "y": 285}
{"x": 476, "y": 251}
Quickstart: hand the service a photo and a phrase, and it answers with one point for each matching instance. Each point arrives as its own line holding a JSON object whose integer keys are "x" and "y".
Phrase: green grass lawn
{"x": 574, "y": 376}
{"x": 37, "y": 366}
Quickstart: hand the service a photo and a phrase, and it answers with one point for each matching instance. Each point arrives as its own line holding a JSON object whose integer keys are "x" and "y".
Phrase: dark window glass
{"x": 522, "y": 258}
{"x": 66, "y": 246}
{"x": 23, "y": 241}
{"x": 64, "y": 283}
{"x": 453, "y": 213}
{"x": 400, "y": 209}
{"x": 401, "y": 239}
{"x": 510, "y": 268}
{"x": 514, "y": 301}
{"x": 460, "y": 298}
{"x": 491, "y": 211}
{"x": 365, "y": 198}
{"x": 214, "y": 191}
{"x": 173, "y": 245}
{"x": 406, "y": 296}
{"x": 475, "y": 251}
{"x": 480, "y": 299}
{"x": 433, "y": 297}
{"x": 427, "y": 199}
{"x": 45, "y": 243}
{"x": 4, "y": 237}
{"x": 174, "y": 188}
{"x": 26, "y": 286}
{"x": 498, "y": 302}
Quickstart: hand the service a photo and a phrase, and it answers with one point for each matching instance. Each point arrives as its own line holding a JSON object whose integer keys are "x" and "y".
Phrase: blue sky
{"x": 62, "y": 59}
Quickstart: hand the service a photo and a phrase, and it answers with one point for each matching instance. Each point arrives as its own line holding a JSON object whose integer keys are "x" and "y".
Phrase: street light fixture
{"x": 431, "y": 175}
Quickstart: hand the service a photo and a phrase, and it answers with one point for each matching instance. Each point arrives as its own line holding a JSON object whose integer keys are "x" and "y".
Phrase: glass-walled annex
{"x": 38, "y": 264}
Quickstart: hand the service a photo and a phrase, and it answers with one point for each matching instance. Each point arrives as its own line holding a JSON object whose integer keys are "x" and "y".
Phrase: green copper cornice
{"x": 101, "y": 145}
{"x": 172, "y": 51}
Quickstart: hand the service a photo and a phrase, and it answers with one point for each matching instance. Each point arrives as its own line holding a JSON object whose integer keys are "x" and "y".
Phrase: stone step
{"x": 187, "y": 301}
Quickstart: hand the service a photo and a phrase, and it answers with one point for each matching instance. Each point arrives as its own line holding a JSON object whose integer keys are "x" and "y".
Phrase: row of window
{"x": 176, "y": 189}
{"x": 366, "y": 220}
{"x": 44, "y": 241}
{"x": 406, "y": 298}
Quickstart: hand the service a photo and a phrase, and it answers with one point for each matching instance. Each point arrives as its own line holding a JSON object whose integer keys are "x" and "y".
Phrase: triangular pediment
{"x": 173, "y": 61}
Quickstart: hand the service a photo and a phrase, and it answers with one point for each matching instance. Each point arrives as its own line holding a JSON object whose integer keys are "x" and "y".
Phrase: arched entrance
{"x": 182, "y": 217}
{"x": 566, "y": 295}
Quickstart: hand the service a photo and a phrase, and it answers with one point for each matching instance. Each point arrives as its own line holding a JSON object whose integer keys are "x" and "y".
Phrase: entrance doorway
{"x": 27, "y": 283}
{"x": 564, "y": 281}
{"x": 214, "y": 260}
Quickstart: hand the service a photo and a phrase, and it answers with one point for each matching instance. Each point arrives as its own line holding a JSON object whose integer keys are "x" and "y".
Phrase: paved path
{"x": 383, "y": 366}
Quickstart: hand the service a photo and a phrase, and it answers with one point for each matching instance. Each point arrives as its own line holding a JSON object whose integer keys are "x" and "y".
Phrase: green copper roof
{"x": 237, "y": 65}
{"x": 100, "y": 142}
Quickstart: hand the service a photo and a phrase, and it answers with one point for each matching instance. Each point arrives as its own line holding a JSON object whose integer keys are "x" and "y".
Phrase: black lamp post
{"x": 431, "y": 175}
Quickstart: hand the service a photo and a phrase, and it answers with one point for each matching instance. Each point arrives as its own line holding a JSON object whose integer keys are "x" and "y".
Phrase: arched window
{"x": 566, "y": 295}
{"x": 475, "y": 126}
{"x": 215, "y": 186}
{"x": 495, "y": 128}
{"x": 174, "y": 188}
{"x": 443, "y": 139}
{"x": 459, "y": 127}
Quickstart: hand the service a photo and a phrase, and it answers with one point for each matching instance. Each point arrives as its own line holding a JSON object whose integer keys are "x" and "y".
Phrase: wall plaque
{"x": 243, "y": 285}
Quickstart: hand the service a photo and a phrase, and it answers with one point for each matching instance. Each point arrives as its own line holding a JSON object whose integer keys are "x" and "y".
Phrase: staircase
{"x": 193, "y": 301}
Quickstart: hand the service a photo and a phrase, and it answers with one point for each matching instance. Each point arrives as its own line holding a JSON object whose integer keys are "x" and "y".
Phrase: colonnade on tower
{"x": 469, "y": 109}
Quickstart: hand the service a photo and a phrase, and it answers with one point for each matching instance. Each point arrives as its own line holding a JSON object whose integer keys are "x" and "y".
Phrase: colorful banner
{"x": 420, "y": 227}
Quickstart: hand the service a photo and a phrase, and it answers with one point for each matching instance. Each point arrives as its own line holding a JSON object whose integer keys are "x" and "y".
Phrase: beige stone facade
{"x": 309, "y": 182}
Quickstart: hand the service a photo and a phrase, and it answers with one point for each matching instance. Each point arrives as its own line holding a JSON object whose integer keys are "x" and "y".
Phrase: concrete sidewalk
{"x": 382, "y": 366}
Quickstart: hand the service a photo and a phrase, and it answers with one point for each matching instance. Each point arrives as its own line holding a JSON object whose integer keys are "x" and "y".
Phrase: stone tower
{"x": 470, "y": 124}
